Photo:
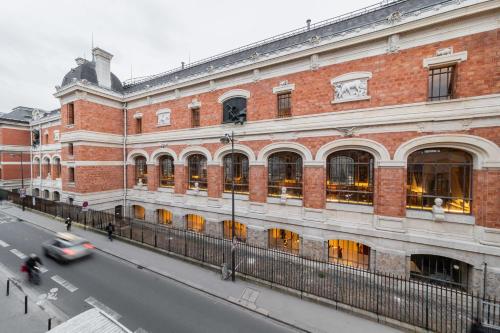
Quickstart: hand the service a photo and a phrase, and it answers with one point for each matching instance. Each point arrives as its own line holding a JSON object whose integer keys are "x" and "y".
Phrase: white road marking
{"x": 104, "y": 308}
{"x": 18, "y": 253}
{"x": 64, "y": 283}
{"x": 3, "y": 244}
{"x": 43, "y": 270}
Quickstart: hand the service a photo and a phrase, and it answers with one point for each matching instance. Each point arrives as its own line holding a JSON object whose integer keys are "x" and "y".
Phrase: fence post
{"x": 142, "y": 233}
{"x": 156, "y": 229}
{"x": 8, "y": 287}
{"x": 49, "y": 326}
{"x": 25, "y": 304}
{"x": 426, "y": 306}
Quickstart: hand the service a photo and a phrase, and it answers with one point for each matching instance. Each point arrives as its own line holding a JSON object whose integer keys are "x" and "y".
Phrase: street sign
{"x": 85, "y": 206}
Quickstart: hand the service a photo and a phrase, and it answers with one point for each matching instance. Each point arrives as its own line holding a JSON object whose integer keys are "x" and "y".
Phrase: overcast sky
{"x": 41, "y": 39}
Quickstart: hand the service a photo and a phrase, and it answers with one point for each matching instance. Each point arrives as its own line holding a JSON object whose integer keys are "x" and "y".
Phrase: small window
{"x": 138, "y": 126}
{"x": 71, "y": 174}
{"x": 285, "y": 105}
{"x": 441, "y": 83}
{"x": 234, "y": 110}
{"x": 195, "y": 118}
{"x": 71, "y": 114}
{"x": 439, "y": 270}
{"x": 70, "y": 149}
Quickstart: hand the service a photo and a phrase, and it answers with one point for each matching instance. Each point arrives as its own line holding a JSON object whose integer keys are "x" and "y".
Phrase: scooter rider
{"x": 31, "y": 263}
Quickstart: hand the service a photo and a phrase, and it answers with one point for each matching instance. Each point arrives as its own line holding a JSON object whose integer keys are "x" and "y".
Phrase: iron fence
{"x": 430, "y": 306}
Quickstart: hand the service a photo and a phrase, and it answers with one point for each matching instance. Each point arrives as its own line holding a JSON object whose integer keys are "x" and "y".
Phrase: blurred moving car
{"x": 67, "y": 247}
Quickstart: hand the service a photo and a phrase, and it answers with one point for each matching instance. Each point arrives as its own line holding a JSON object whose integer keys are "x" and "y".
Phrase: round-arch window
{"x": 240, "y": 171}
{"x": 350, "y": 253}
{"x": 284, "y": 240}
{"x": 195, "y": 223}
{"x": 285, "y": 175}
{"x": 141, "y": 170}
{"x": 444, "y": 173}
{"x": 164, "y": 216}
{"x": 349, "y": 177}
{"x": 234, "y": 110}
{"x": 240, "y": 231}
{"x": 197, "y": 172}
{"x": 166, "y": 171}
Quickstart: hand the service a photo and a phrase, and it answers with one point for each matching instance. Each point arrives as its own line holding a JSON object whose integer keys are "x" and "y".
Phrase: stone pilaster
{"x": 213, "y": 227}
{"x": 178, "y": 221}
{"x": 393, "y": 263}
{"x": 180, "y": 178}
{"x": 313, "y": 248}
{"x": 314, "y": 186}
{"x": 257, "y": 236}
{"x": 258, "y": 183}
{"x": 153, "y": 177}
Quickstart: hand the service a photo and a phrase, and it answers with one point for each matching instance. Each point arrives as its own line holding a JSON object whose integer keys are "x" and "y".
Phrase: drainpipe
{"x": 124, "y": 159}
{"x": 31, "y": 159}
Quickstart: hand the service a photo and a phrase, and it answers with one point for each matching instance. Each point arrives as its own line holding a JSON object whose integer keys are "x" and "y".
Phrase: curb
{"x": 165, "y": 275}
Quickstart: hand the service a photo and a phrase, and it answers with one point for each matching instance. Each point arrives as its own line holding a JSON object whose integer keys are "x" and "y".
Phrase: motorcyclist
{"x": 31, "y": 263}
{"x": 68, "y": 224}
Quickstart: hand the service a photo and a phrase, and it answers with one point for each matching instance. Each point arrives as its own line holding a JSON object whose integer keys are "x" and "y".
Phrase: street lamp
{"x": 237, "y": 117}
{"x": 23, "y": 190}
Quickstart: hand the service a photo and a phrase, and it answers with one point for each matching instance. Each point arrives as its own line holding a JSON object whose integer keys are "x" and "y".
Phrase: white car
{"x": 67, "y": 247}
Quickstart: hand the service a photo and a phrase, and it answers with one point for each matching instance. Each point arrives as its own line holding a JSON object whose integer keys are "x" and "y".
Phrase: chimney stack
{"x": 182, "y": 64}
{"x": 308, "y": 22}
{"x": 102, "y": 67}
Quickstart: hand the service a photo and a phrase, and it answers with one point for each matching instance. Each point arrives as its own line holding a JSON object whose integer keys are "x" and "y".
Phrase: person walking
{"x": 68, "y": 224}
{"x": 110, "y": 229}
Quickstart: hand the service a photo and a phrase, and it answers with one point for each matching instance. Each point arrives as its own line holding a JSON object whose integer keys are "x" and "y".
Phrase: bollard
{"x": 50, "y": 324}
{"x": 25, "y": 304}
{"x": 8, "y": 286}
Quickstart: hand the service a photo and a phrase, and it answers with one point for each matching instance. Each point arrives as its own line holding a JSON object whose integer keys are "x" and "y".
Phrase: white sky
{"x": 41, "y": 39}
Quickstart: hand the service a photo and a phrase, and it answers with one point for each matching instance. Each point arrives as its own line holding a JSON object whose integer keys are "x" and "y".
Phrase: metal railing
{"x": 418, "y": 303}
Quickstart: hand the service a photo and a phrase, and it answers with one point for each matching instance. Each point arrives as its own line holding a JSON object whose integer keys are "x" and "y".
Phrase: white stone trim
{"x": 453, "y": 218}
{"x": 194, "y": 105}
{"x": 233, "y": 93}
{"x": 138, "y": 115}
{"x": 238, "y": 148}
{"x": 443, "y": 60}
{"x": 346, "y": 83}
{"x": 289, "y": 201}
{"x": 46, "y": 157}
{"x": 137, "y": 152}
{"x": 155, "y": 155}
{"x": 272, "y": 148}
{"x": 93, "y": 163}
{"x": 486, "y": 154}
{"x": 284, "y": 87}
{"x": 191, "y": 150}
{"x": 162, "y": 112}
{"x": 237, "y": 196}
{"x": 351, "y": 76}
{"x": 366, "y": 209}
{"x": 379, "y": 151}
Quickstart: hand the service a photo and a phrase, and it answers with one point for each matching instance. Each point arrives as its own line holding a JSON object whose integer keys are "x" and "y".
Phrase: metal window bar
{"x": 195, "y": 118}
{"x": 441, "y": 83}
{"x": 285, "y": 105}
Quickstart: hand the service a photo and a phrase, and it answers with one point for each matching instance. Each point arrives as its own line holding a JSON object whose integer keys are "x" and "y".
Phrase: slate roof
{"x": 361, "y": 18}
{"x": 86, "y": 71}
{"x": 18, "y": 114}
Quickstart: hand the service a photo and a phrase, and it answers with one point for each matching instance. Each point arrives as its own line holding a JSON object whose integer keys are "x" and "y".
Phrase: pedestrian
{"x": 110, "y": 229}
{"x": 68, "y": 224}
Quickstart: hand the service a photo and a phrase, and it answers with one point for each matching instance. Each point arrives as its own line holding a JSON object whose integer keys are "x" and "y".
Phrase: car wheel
{"x": 46, "y": 253}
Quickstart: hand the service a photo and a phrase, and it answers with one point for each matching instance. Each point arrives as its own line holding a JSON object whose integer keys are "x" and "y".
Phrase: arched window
{"x": 349, "y": 177}
{"x": 46, "y": 194}
{"x": 166, "y": 171}
{"x": 164, "y": 216}
{"x": 56, "y": 196}
{"x": 439, "y": 173}
{"x": 139, "y": 212}
{"x": 440, "y": 270}
{"x": 195, "y": 223}
{"x": 234, "y": 110}
{"x": 350, "y": 253}
{"x": 57, "y": 167}
{"x": 197, "y": 172}
{"x": 240, "y": 231}
{"x": 141, "y": 170}
{"x": 240, "y": 170}
{"x": 285, "y": 175}
{"x": 46, "y": 168}
{"x": 36, "y": 192}
{"x": 284, "y": 240}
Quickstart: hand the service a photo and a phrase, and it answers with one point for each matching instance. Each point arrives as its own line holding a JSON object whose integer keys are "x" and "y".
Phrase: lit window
{"x": 284, "y": 240}
{"x": 164, "y": 216}
{"x": 139, "y": 212}
{"x": 240, "y": 170}
{"x": 349, "y": 177}
{"x": 350, "y": 253}
{"x": 195, "y": 223}
{"x": 167, "y": 171}
{"x": 197, "y": 172}
{"x": 240, "y": 231}
{"x": 441, "y": 83}
{"x": 439, "y": 173}
{"x": 284, "y": 105}
{"x": 285, "y": 175}
{"x": 141, "y": 170}
{"x": 234, "y": 110}
{"x": 439, "y": 270}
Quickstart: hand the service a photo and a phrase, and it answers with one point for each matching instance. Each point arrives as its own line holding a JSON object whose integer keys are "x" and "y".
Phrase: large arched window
{"x": 56, "y": 196}
{"x": 349, "y": 177}
{"x": 350, "y": 253}
{"x": 285, "y": 175}
{"x": 57, "y": 167}
{"x": 284, "y": 240}
{"x": 139, "y": 212}
{"x": 197, "y": 172}
{"x": 36, "y": 192}
{"x": 46, "y": 168}
{"x": 240, "y": 231}
{"x": 166, "y": 171}
{"x": 234, "y": 110}
{"x": 440, "y": 270}
{"x": 46, "y": 194}
{"x": 141, "y": 170}
{"x": 440, "y": 173}
{"x": 240, "y": 170}
{"x": 195, "y": 223}
{"x": 164, "y": 216}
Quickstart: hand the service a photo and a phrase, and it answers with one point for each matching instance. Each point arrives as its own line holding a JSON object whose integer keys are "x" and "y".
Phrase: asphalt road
{"x": 139, "y": 298}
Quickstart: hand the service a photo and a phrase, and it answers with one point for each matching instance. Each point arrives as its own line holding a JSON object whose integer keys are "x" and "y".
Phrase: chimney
{"x": 182, "y": 64}
{"x": 102, "y": 67}
{"x": 308, "y": 22}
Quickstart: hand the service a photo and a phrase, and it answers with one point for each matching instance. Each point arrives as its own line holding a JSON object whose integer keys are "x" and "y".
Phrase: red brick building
{"x": 370, "y": 140}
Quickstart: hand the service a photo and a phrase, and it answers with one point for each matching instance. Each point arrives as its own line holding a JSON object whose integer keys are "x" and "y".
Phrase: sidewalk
{"x": 12, "y": 317}
{"x": 305, "y": 315}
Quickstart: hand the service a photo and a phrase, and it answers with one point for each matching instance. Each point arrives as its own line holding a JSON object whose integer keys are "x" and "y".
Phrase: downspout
{"x": 40, "y": 138}
{"x": 31, "y": 159}
{"x": 124, "y": 158}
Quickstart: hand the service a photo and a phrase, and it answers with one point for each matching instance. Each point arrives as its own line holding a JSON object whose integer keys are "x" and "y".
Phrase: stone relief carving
{"x": 283, "y": 195}
{"x": 351, "y": 87}
{"x": 395, "y": 17}
{"x": 437, "y": 210}
{"x": 314, "y": 62}
{"x": 393, "y": 44}
{"x": 163, "y": 117}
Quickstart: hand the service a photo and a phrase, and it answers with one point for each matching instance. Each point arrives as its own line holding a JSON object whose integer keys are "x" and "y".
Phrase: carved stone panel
{"x": 351, "y": 87}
